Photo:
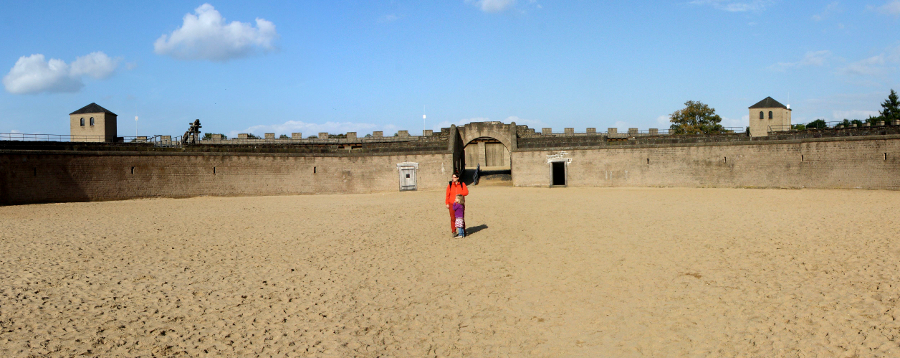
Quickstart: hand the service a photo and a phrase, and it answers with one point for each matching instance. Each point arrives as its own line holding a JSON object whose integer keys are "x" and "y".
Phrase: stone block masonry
{"x": 38, "y": 177}
{"x": 828, "y": 163}
{"x": 36, "y": 172}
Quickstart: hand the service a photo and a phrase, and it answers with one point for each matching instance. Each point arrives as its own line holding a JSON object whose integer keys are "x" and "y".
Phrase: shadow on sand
{"x": 474, "y": 229}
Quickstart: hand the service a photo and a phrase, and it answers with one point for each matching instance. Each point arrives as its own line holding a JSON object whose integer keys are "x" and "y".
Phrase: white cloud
{"x": 32, "y": 74}
{"x": 206, "y": 36}
{"x": 309, "y": 129}
{"x": 664, "y": 121}
{"x": 871, "y": 66}
{"x": 388, "y": 18}
{"x": 96, "y": 64}
{"x": 811, "y": 58}
{"x": 831, "y": 8}
{"x": 877, "y": 65}
{"x": 735, "y": 6}
{"x": 891, "y": 8}
{"x": 492, "y": 5}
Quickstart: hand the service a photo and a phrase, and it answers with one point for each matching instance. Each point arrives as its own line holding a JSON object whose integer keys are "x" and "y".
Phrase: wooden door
{"x": 407, "y": 178}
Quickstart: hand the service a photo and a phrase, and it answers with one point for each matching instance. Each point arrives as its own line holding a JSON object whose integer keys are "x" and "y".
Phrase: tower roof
{"x": 93, "y": 108}
{"x": 768, "y": 103}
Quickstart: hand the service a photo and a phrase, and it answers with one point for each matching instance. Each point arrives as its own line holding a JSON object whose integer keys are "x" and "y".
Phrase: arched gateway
{"x": 487, "y": 144}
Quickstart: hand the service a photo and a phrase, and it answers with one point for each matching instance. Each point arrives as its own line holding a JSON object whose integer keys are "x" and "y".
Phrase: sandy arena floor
{"x": 574, "y": 272}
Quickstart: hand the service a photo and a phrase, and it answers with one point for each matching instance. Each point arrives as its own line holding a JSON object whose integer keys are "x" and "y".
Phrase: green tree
{"x": 695, "y": 118}
{"x": 817, "y": 124}
{"x": 890, "y": 109}
{"x": 284, "y": 136}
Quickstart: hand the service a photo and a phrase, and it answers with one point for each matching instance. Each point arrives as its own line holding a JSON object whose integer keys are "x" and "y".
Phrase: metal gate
{"x": 407, "y": 172}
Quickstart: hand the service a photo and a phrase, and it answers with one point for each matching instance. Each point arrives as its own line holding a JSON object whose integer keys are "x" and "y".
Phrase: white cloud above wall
{"x": 33, "y": 74}
{"x": 96, "y": 64}
{"x": 871, "y": 66}
{"x": 492, "y": 6}
{"x": 829, "y": 10}
{"x": 890, "y": 8}
{"x": 735, "y": 6}
{"x": 811, "y": 58}
{"x": 205, "y": 35}
{"x": 878, "y": 65}
{"x": 388, "y": 18}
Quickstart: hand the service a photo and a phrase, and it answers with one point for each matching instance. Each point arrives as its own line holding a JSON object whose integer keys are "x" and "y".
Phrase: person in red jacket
{"x": 454, "y": 188}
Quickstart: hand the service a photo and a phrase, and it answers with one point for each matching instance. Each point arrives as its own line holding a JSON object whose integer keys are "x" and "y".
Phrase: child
{"x": 459, "y": 207}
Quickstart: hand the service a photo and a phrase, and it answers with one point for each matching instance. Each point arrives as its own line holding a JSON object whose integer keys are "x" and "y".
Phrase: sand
{"x": 571, "y": 272}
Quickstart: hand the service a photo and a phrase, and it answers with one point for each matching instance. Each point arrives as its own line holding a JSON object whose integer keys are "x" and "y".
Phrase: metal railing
{"x": 845, "y": 124}
{"x": 315, "y": 140}
{"x": 631, "y": 132}
{"x": 175, "y": 140}
{"x": 158, "y": 140}
{"x": 29, "y": 137}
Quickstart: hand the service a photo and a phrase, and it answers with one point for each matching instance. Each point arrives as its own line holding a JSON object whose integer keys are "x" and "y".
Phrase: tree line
{"x": 699, "y": 118}
{"x": 890, "y": 111}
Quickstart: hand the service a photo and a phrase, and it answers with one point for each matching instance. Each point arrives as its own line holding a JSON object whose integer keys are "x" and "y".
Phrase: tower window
{"x": 761, "y": 115}
{"x": 92, "y": 120}
{"x": 770, "y": 114}
{"x": 82, "y": 121}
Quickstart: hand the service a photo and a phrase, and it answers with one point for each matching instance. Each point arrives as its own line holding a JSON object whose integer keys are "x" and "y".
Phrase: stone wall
{"x": 59, "y": 176}
{"x": 35, "y": 172}
{"x": 837, "y": 162}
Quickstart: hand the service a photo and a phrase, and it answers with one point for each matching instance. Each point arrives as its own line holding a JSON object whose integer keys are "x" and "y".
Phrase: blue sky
{"x": 312, "y": 66}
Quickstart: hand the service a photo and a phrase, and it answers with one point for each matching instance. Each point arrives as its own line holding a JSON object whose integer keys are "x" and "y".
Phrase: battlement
{"x": 51, "y": 171}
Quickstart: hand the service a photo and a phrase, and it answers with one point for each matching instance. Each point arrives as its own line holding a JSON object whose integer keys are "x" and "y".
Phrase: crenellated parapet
{"x": 329, "y": 138}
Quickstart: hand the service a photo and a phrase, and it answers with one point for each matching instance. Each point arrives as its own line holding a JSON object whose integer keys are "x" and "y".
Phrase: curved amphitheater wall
{"x": 76, "y": 176}
{"x": 833, "y": 163}
{"x": 59, "y": 176}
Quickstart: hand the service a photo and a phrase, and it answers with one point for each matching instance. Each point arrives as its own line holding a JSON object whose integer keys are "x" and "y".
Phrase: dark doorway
{"x": 558, "y": 174}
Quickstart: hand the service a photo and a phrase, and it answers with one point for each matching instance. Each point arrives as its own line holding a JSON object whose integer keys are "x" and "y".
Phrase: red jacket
{"x": 453, "y": 190}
